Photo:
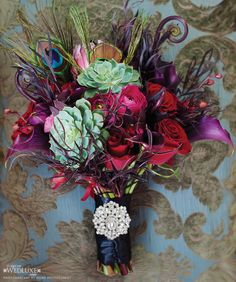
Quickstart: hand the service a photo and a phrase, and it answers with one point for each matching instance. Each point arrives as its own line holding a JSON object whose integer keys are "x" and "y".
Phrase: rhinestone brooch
{"x": 111, "y": 220}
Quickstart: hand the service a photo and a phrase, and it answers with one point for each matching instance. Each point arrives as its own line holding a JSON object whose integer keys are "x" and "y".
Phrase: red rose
{"x": 174, "y": 136}
{"x": 119, "y": 149}
{"x": 153, "y": 88}
{"x": 167, "y": 102}
{"x": 132, "y": 98}
{"x": 117, "y": 145}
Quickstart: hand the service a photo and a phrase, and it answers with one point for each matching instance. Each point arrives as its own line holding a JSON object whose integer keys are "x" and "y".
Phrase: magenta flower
{"x": 132, "y": 100}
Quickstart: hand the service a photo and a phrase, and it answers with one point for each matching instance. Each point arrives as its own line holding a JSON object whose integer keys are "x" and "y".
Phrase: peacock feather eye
{"x": 56, "y": 59}
{"x": 51, "y": 54}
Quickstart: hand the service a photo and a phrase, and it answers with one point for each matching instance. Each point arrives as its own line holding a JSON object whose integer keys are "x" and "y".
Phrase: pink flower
{"x": 132, "y": 100}
{"x": 80, "y": 57}
{"x": 48, "y": 123}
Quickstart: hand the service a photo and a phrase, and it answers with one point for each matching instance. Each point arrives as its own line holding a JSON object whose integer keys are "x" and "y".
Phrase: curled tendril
{"x": 174, "y": 32}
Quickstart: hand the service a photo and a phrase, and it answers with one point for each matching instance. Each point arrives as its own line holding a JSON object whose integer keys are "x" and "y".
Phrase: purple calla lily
{"x": 166, "y": 75}
{"x": 28, "y": 134}
{"x": 36, "y": 142}
{"x": 209, "y": 128}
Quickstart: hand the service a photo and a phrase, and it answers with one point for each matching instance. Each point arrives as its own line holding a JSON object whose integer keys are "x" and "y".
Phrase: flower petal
{"x": 36, "y": 142}
{"x": 209, "y": 128}
{"x": 119, "y": 163}
{"x": 162, "y": 157}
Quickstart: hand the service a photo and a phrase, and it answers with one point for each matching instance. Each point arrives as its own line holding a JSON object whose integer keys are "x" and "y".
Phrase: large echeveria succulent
{"x": 104, "y": 76}
{"x": 76, "y": 134}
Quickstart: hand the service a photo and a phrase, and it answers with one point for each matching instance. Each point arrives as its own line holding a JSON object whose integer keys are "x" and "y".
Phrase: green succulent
{"x": 76, "y": 134}
{"x": 103, "y": 76}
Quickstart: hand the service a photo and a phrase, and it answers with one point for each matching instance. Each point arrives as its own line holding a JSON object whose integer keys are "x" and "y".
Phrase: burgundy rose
{"x": 132, "y": 99}
{"x": 153, "y": 89}
{"x": 119, "y": 149}
{"x": 117, "y": 145}
{"x": 166, "y": 102}
{"x": 69, "y": 87}
{"x": 174, "y": 136}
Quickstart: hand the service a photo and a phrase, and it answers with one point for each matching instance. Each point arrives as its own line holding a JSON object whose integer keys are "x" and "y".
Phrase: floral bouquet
{"x": 106, "y": 115}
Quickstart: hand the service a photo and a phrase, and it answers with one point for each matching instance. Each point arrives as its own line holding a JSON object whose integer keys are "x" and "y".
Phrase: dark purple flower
{"x": 209, "y": 128}
{"x": 166, "y": 75}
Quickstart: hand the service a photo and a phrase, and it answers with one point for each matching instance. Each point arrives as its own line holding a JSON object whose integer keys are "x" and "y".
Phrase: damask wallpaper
{"x": 182, "y": 230}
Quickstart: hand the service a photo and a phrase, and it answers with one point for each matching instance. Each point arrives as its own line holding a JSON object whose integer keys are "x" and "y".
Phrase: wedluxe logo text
{"x": 18, "y": 269}
{"x": 14, "y": 272}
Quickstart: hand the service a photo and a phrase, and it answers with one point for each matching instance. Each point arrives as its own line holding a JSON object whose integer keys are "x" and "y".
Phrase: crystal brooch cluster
{"x": 111, "y": 220}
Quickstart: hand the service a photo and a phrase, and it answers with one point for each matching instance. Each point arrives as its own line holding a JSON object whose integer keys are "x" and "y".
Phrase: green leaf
{"x": 90, "y": 93}
{"x": 105, "y": 134}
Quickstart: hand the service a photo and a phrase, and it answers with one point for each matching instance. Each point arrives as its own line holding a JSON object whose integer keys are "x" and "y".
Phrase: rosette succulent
{"x": 104, "y": 76}
{"x": 76, "y": 134}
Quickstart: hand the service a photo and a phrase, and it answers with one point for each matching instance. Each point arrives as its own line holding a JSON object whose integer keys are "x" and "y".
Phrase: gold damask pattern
{"x": 197, "y": 171}
{"x": 74, "y": 256}
{"x": 224, "y": 51}
{"x": 80, "y": 249}
{"x": 38, "y": 201}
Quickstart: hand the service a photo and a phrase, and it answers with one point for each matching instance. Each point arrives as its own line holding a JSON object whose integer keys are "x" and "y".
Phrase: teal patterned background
{"x": 182, "y": 230}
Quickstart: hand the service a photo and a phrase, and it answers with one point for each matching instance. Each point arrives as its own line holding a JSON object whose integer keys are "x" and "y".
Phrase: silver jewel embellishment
{"x": 111, "y": 220}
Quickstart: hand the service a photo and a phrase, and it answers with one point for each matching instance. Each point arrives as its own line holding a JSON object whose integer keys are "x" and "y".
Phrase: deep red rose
{"x": 107, "y": 104}
{"x": 117, "y": 145}
{"x": 119, "y": 149}
{"x": 153, "y": 88}
{"x": 167, "y": 103}
{"x": 174, "y": 136}
{"x": 132, "y": 99}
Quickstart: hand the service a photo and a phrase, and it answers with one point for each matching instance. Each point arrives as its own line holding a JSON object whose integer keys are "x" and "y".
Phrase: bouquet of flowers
{"x": 106, "y": 115}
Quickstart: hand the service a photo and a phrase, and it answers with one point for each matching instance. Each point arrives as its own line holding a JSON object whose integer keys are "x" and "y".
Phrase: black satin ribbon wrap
{"x": 118, "y": 250}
